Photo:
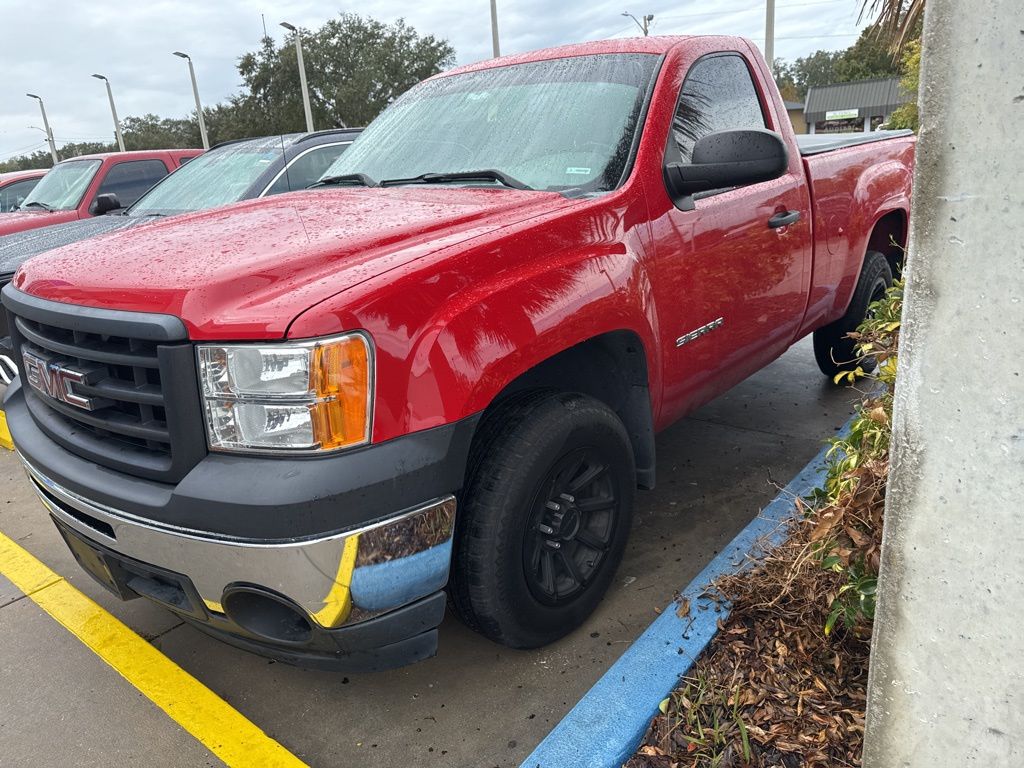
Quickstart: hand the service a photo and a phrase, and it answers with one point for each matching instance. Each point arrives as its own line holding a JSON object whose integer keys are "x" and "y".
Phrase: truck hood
{"x": 246, "y": 270}
{"x": 20, "y": 221}
{"x": 17, "y": 248}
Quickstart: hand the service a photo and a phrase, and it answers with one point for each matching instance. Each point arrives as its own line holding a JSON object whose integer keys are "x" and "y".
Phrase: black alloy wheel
{"x": 571, "y": 528}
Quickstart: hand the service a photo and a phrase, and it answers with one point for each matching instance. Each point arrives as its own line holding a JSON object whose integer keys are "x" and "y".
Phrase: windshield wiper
{"x": 487, "y": 174}
{"x": 36, "y": 203}
{"x": 359, "y": 179}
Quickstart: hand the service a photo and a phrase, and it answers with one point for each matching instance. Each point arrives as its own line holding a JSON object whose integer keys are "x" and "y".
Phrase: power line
{"x": 749, "y": 8}
{"x": 811, "y": 37}
{"x": 23, "y": 150}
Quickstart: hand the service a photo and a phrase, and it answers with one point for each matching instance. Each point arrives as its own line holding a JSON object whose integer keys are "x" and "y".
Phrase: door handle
{"x": 784, "y": 219}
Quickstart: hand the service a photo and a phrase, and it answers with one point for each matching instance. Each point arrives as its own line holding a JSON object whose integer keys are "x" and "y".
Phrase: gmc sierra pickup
{"x": 306, "y": 421}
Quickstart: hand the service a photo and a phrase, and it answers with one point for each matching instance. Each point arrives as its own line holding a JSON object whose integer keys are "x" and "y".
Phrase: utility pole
{"x": 195, "y": 92}
{"x": 113, "y": 112}
{"x": 769, "y": 35}
{"x": 302, "y": 76}
{"x": 46, "y": 125}
{"x": 945, "y": 686}
{"x": 494, "y": 29}
{"x": 643, "y": 22}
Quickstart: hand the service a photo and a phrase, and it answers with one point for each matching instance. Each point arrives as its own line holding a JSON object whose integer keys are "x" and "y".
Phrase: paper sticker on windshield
{"x": 573, "y": 171}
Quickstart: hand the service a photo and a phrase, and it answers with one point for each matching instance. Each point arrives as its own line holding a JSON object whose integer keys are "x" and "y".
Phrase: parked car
{"x": 298, "y": 422}
{"x": 232, "y": 171}
{"x": 14, "y": 187}
{"x": 92, "y": 185}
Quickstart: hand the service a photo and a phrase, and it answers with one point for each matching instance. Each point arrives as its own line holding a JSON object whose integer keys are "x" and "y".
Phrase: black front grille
{"x": 142, "y": 415}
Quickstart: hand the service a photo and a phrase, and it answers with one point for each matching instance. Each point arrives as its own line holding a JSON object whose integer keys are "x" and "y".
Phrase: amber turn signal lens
{"x": 342, "y": 378}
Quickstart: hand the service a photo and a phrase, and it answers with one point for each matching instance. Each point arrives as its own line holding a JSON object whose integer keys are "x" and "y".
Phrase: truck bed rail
{"x": 815, "y": 143}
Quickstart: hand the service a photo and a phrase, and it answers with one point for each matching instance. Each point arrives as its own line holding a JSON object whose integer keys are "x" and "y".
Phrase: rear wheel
{"x": 545, "y": 518}
{"x": 833, "y": 351}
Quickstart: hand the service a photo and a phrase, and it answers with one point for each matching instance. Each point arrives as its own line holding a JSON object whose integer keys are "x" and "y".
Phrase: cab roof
{"x": 139, "y": 153}
{"x": 19, "y": 175}
{"x": 659, "y": 44}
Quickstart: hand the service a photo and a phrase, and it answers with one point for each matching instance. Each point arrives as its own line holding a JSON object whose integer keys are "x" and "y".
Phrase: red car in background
{"x": 92, "y": 185}
{"x": 15, "y": 186}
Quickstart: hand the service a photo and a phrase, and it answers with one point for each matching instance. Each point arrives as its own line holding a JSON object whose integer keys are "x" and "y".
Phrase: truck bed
{"x": 816, "y": 143}
{"x": 846, "y": 175}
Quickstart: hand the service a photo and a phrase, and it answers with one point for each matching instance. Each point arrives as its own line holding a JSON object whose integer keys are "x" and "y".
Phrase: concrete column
{"x": 867, "y": 124}
{"x": 947, "y": 666}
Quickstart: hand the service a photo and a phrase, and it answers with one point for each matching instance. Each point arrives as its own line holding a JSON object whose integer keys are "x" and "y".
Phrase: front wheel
{"x": 833, "y": 350}
{"x": 545, "y": 518}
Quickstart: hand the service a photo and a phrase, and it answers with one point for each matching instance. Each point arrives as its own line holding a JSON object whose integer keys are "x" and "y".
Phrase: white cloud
{"x": 52, "y": 49}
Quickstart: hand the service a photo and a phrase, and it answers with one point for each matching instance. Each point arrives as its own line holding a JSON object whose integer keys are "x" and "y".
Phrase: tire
{"x": 833, "y": 351}
{"x": 545, "y": 515}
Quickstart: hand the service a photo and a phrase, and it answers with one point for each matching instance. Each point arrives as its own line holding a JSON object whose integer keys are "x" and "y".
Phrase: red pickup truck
{"x": 91, "y": 185}
{"x": 15, "y": 186}
{"x": 301, "y": 422}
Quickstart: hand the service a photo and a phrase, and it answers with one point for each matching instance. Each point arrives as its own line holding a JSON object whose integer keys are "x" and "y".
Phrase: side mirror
{"x": 104, "y": 204}
{"x": 728, "y": 159}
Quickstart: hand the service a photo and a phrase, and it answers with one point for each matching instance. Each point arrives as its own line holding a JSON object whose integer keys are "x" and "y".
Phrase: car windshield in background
{"x": 61, "y": 189}
{"x": 552, "y": 125}
{"x": 218, "y": 177}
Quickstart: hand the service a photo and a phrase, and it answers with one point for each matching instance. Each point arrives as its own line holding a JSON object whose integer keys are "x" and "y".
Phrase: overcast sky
{"x": 52, "y": 48}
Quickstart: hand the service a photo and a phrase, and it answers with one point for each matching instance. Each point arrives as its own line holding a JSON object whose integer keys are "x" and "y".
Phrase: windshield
{"x": 61, "y": 189}
{"x": 553, "y": 125}
{"x": 217, "y": 177}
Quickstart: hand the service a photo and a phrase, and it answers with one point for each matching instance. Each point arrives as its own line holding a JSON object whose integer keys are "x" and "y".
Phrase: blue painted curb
{"x": 605, "y": 727}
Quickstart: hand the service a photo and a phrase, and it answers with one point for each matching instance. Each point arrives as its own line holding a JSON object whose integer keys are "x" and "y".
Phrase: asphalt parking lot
{"x": 475, "y": 704}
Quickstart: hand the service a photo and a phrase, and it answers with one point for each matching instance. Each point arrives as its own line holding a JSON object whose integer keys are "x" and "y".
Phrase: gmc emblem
{"x": 56, "y": 381}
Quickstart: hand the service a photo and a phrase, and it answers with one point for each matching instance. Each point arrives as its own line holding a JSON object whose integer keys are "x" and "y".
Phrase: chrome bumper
{"x": 336, "y": 580}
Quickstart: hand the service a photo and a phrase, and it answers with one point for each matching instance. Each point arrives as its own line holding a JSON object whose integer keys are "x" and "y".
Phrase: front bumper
{"x": 355, "y": 596}
{"x": 364, "y": 598}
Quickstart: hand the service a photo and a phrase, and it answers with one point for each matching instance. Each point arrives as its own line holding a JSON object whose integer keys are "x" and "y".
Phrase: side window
{"x": 717, "y": 95}
{"x": 12, "y": 195}
{"x": 307, "y": 169}
{"x": 130, "y": 179}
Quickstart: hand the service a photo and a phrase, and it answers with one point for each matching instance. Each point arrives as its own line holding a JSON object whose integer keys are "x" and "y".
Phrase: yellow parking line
{"x": 221, "y": 728}
{"x": 5, "y": 433}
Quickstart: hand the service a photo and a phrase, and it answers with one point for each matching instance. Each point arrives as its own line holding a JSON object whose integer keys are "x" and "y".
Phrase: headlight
{"x": 312, "y": 396}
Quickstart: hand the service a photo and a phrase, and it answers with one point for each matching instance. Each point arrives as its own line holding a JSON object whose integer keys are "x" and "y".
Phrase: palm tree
{"x": 895, "y": 19}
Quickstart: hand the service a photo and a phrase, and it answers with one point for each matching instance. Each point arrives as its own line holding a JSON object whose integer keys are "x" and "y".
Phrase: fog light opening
{"x": 267, "y": 615}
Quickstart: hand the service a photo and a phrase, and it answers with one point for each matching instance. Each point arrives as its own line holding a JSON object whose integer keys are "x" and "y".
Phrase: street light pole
{"x": 113, "y": 112}
{"x": 494, "y": 29}
{"x": 195, "y": 92}
{"x": 46, "y": 125}
{"x": 769, "y": 35}
{"x": 302, "y": 76}
{"x": 642, "y": 22}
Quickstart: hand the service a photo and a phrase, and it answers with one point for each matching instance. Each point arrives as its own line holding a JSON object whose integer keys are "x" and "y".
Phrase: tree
{"x": 817, "y": 69}
{"x": 906, "y": 116}
{"x": 786, "y": 81}
{"x": 150, "y": 132}
{"x": 898, "y": 21}
{"x": 356, "y": 66}
{"x": 870, "y": 57}
{"x": 41, "y": 158}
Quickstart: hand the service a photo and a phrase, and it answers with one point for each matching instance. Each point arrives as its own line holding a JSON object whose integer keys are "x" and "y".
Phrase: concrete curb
{"x": 606, "y": 725}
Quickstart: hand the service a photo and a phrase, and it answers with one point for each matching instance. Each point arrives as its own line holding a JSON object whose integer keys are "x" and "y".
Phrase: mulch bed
{"x": 773, "y": 688}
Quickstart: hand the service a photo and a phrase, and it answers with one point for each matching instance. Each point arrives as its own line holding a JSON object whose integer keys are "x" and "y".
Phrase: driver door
{"x": 732, "y": 286}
